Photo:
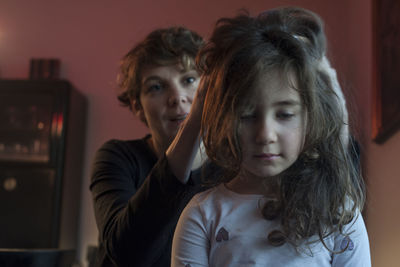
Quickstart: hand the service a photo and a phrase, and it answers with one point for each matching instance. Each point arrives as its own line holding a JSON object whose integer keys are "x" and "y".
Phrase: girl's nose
{"x": 266, "y": 132}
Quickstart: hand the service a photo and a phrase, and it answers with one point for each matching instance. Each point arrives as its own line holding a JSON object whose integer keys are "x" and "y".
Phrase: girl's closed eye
{"x": 285, "y": 115}
{"x": 249, "y": 113}
{"x": 248, "y": 116}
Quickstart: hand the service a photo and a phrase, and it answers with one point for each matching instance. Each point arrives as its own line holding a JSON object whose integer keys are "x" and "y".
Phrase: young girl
{"x": 291, "y": 195}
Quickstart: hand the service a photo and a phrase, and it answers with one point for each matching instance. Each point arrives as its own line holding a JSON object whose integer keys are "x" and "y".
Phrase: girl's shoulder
{"x": 219, "y": 201}
{"x": 221, "y": 194}
{"x": 210, "y": 195}
{"x": 355, "y": 228}
{"x": 209, "y": 202}
{"x": 353, "y": 244}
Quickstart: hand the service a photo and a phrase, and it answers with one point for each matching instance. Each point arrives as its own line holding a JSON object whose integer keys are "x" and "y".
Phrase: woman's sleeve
{"x": 331, "y": 72}
{"x": 135, "y": 223}
{"x": 190, "y": 246}
{"x": 356, "y": 246}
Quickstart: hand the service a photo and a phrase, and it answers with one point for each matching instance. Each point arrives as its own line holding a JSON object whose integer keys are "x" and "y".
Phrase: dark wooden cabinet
{"x": 42, "y": 133}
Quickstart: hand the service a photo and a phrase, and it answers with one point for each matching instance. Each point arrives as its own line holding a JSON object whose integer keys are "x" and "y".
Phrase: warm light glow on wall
{"x": 2, "y": 35}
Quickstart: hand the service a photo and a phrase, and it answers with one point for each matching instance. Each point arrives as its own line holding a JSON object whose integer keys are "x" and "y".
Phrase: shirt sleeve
{"x": 331, "y": 72}
{"x": 135, "y": 222}
{"x": 190, "y": 246}
{"x": 355, "y": 246}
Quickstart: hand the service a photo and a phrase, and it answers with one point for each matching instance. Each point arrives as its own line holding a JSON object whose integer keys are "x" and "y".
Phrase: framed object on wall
{"x": 386, "y": 89}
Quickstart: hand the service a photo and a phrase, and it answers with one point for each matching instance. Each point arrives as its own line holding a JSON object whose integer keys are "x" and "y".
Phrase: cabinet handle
{"x": 10, "y": 183}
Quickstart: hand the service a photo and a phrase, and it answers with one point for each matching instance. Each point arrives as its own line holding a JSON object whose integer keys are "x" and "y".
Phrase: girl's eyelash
{"x": 285, "y": 115}
{"x": 247, "y": 116}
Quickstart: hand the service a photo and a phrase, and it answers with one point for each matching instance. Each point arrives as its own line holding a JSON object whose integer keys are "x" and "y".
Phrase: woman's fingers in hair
{"x": 198, "y": 101}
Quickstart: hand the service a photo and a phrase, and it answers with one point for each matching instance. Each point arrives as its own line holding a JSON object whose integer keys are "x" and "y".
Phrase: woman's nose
{"x": 176, "y": 97}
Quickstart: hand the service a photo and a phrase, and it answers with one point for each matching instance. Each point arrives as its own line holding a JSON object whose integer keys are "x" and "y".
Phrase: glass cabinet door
{"x": 25, "y": 127}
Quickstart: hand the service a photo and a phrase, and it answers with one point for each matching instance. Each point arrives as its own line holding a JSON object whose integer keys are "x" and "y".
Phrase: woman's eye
{"x": 154, "y": 88}
{"x": 189, "y": 80}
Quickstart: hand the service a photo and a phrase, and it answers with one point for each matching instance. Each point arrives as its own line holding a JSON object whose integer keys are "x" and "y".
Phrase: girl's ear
{"x": 138, "y": 110}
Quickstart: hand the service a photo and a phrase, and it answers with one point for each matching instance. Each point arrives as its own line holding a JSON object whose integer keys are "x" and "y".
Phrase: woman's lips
{"x": 178, "y": 119}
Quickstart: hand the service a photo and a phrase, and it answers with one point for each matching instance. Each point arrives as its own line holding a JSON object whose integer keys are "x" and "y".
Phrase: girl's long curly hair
{"x": 322, "y": 191}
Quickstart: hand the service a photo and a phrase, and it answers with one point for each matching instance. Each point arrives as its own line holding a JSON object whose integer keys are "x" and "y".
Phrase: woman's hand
{"x": 196, "y": 110}
{"x": 184, "y": 148}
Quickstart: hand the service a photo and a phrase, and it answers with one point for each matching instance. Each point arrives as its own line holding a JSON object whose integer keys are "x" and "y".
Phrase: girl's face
{"x": 166, "y": 97}
{"x": 272, "y": 130}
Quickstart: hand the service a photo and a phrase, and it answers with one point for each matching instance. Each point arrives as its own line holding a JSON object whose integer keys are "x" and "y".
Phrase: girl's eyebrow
{"x": 288, "y": 102}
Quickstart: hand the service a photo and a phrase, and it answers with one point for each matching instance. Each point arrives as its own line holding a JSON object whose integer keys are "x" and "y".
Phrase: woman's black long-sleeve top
{"x": 137, "y": 203}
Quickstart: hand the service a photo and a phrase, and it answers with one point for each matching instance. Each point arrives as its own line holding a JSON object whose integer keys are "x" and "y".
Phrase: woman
{"x": 140, "y": 187}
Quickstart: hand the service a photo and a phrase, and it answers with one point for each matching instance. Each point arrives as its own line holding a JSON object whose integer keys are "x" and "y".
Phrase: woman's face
{"x": 166, "y": 97}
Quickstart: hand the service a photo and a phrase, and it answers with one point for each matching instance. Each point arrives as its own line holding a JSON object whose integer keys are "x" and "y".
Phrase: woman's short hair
{"x": 162, "y": 47}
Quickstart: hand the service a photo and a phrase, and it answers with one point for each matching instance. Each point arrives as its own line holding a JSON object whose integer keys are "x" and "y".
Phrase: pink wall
{"x": 91, "y": 36}
{"x": 381, "y": 162}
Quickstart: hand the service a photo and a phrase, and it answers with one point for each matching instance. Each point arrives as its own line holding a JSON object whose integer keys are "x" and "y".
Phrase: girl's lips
{"x": 266, "y": 156}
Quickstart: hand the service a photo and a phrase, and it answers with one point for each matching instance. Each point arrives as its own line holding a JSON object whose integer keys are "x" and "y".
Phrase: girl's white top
{"x": 221, "y": 228}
